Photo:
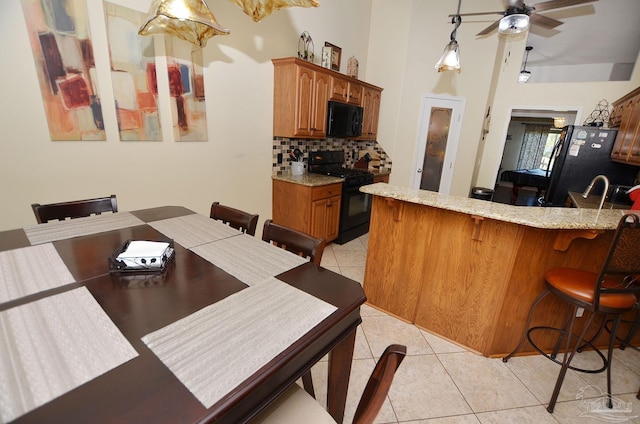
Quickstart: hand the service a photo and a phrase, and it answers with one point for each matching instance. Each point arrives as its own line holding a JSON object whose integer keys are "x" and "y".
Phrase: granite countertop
{"x": 593, "y": 202}
{"x": 537, "y": 217}
{"x": 308, "y": 179}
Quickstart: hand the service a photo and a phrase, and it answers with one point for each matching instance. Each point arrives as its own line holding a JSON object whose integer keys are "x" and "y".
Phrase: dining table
{"x": 215, "y": 336}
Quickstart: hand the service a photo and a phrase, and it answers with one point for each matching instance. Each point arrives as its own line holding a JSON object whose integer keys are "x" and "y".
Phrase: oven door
{"x": 355, "y": 213}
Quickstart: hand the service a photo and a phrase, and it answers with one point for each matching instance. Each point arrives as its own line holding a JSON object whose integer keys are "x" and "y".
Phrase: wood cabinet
{"x": 371, "y": 105}
{"x": 300, "y": 99}
{"x": 626, "y": 116}
{"x": 312, "y": 210}
{"x": 302, "y": 91}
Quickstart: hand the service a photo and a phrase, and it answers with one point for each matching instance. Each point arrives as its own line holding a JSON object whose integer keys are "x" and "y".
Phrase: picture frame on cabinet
{"x": 336, "y": 53}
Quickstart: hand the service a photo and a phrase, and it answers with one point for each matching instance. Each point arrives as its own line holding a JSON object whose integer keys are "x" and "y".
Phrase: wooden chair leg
{"x": 307, "y": 383}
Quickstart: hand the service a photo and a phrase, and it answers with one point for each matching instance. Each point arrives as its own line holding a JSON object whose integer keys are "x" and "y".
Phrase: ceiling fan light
{"x": 514, "y": 24}
{"x": 524, "y": 76}
{"x": 190, "y": 20}
{"x": 450, "y": 59}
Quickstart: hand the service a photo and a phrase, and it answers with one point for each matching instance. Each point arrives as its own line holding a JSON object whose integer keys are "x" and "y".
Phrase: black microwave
{"x": 344, "y": 120}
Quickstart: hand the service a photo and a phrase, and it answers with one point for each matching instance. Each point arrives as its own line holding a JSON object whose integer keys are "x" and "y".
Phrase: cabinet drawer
{"x": 323, "y": 192}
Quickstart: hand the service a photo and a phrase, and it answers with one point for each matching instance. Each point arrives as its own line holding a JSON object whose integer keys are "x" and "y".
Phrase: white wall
{"x": 233, "y": 167}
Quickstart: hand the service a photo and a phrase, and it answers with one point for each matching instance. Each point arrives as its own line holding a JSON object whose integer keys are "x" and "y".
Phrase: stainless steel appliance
{"x": 581, "y": 153}
{"x": 355, "y": 209}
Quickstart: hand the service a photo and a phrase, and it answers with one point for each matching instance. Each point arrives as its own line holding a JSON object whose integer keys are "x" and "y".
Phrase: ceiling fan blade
{"x": 490, "y": 28}
{"x": 557, "y": 4}
{"x": 478, "y": 14}
{"x": 544, "y": 21}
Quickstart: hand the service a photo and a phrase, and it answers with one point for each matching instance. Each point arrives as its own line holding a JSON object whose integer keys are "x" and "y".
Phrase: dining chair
{"x": 609, "y": 293}
{"x": 294, "y": 241}
{"x": 235, "y": 218}
{"x": 303, "y": 245}
{"x": 74, "y": 209}
{"x": 296, "y": 406}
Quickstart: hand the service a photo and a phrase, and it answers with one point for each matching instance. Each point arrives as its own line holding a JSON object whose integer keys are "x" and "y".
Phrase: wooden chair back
{"x": 74, "y": 209}
{"x": 235, "y": 218}
{"x": 377, "y": 388}
{"x": 294, "y": 241}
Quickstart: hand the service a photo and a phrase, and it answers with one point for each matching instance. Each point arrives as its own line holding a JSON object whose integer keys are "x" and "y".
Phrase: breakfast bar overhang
{"x": 468, "y": 270}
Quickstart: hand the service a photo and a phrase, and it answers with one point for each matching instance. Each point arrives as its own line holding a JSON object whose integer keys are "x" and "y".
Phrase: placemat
{"x": 194, "y": 230}
{"x": 60, "y": 230}
{"x": 53, "y": 345}
{"x": 30, "y": 270}
{"x": 249, "y": 259}
{"x": 215, "y": 349}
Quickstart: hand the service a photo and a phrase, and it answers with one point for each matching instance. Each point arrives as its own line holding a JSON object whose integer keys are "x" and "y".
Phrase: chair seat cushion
{"x": 294, "y": 406}
{"x": 580, "y": 285}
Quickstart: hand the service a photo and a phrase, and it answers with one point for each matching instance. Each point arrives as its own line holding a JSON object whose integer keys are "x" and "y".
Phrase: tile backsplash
{"x": 281, "y": 163}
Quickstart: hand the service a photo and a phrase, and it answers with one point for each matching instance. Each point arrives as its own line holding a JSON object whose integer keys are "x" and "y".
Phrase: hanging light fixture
{"x": 191, "y": 20}
{"x": 516, "y": 18}
{"x": 524, "y": 74}
{"x": 258, "y": 9}
{"x": 450, "y": 59}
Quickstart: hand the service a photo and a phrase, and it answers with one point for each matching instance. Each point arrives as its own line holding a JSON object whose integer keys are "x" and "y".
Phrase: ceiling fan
{"x": 520, "y": 15}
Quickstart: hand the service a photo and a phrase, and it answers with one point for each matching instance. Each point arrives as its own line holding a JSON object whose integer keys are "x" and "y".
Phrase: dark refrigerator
{"x": 580, "y": 154}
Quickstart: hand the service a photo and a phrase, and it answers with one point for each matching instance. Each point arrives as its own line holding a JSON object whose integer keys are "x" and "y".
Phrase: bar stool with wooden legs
{"x": 613, "y": 291}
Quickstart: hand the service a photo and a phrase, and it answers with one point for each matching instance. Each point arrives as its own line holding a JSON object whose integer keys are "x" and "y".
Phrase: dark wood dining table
{"x": 144, "y": 389}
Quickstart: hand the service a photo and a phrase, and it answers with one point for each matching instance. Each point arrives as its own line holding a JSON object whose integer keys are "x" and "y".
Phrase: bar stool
{"x": 613, "y": 291}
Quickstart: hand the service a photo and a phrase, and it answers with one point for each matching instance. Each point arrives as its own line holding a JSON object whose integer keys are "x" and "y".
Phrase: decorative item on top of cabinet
{"x": 312, "y": 210}
{"x": 300, "y": 98}
{"x": 626, "y": 115}
{"x": 352, "y": 67}
{"x": 306, "y": 51}
{"x": 336, "y": 53}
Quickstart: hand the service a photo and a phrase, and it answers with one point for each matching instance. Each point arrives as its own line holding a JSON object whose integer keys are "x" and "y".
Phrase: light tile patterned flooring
{"x": 441, "y": 383}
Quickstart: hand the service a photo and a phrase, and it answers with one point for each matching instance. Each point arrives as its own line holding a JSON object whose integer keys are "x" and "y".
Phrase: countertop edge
{"x": 530, "y": 216}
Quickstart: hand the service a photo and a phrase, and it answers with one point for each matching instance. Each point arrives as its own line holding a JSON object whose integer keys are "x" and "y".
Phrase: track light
{"x": 524, "y": 74}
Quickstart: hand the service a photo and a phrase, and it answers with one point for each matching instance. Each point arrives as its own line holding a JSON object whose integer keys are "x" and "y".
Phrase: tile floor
{"x": 441, "y": 383}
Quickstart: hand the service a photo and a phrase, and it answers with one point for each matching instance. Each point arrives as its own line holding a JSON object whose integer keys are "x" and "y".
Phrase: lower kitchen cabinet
{"x": 312, "y": 210}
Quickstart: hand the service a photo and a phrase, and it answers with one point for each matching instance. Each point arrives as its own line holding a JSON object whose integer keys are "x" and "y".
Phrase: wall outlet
{"x": 279, "y": 158}
{"x": 579, "y": 312}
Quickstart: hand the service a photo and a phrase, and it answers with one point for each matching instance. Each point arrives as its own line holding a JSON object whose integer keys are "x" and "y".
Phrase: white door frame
{"x": 429, "y": 101}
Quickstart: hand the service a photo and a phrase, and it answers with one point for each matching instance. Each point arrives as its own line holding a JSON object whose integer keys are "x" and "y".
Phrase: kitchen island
{"x": 468, "y": 270}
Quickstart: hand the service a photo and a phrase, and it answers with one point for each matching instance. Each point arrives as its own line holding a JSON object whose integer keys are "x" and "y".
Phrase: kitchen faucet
{"x": 604, "y": 193}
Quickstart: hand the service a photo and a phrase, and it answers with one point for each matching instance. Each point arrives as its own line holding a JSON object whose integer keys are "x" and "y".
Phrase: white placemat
{"x": 215, "y": 349}
{"x": 249, "y": 259}
{"x": 53, "y": 345}
{"x": 194, "y": 230}
{"x": 31, "y": 270}
{"x": 60, "y": 230}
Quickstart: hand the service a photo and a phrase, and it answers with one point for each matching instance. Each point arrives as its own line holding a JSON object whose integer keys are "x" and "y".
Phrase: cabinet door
{"x": 627, "y": 145}
{"x": 319, "y": 218}
{"x": 304, "y": 99}
{"x": 355, "y": 93}
{"x": 320, "y": 104}
{"x": 333, "y": 218}
{"x": 339, "y": 89}
{"x": 371, "y": 105}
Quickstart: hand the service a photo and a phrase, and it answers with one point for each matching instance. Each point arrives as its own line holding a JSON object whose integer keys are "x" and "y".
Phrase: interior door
{"x": 440, "y": 123}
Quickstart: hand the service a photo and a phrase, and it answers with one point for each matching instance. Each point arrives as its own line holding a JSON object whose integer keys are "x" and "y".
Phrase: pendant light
{"x": 450, "y": 59}
{"x": 191, "y": 20}
{"x": 524, "y": 74}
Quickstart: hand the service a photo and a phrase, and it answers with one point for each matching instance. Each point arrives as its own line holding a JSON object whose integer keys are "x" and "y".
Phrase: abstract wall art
{"x": 63, "y": 53}
{"x": 133, "y": 74}
{"x": 186, "y": 88}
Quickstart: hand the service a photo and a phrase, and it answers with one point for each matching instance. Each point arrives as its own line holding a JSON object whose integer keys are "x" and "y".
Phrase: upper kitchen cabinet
{"x": 626, "y": 116}
{"x": 301, "y": 93}
{"x": 371, "y": 105}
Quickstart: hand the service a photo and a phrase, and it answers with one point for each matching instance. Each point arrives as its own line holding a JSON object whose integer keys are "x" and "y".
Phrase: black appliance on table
{"x": 355, "y": 209}
{"x": 581, "y": 153}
